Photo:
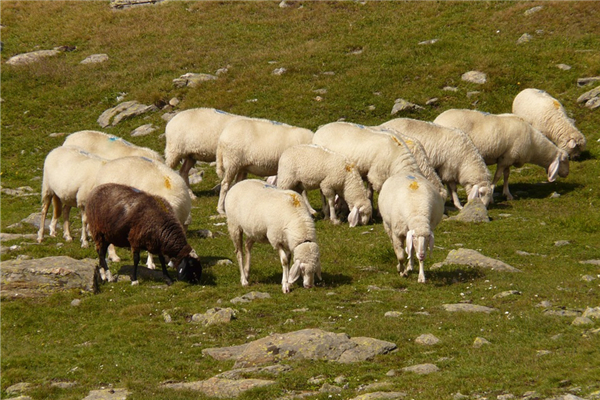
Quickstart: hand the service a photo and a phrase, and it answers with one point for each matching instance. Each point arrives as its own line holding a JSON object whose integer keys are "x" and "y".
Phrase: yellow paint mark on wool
{"x": 414, "y": 185}
{"x": 349, "y": 167}
{"x": 395, "y": 139}
{"x": 295, "y": 200}
{"x": 556, "y": 104}
{"x": 167, "y": 182}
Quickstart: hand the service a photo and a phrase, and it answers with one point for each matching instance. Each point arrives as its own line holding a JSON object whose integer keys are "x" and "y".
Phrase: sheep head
{"x": 189, "y": 268}
{"x": 306, "y": 263}
{"x": 559, "y": 167}
{"x": 483, "y": 191}
{"x": 419, "y": 241}
{"x": 360, "y": 214}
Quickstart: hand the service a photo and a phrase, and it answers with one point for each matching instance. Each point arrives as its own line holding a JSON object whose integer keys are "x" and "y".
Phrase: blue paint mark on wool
{"x": 411, "y": 177}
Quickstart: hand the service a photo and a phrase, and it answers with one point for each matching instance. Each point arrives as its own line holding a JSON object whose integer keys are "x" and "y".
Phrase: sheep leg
{"x": 330, "y": 196}
{"x": 228, "y": 178}
{"x": 112, "y": 254}
{"x": 311, "y": 210}
{"x": 150, "y": 262}
{"x": 237, "y": 237}
{"x": 45, "y": 207}
{"x": 136, "y": 261}
{"x": 248, "y": 249}
{"x": 184, "y": 171}
{"x": 56, "y": 213}
{"x": 67, "y": 223}
{"x": 84, "y": 233}
{"x": 421, "y": 272}
{"x": 285, "y": 264}
{"x": 105, "y": 274}
{"x": 505, "y": 190}
{"x": 398, "y": 244}
{"x": 454, "y": 193}
{"x": 168, "y": 279}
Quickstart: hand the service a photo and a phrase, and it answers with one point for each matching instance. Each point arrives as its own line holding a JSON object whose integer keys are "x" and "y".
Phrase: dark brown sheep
{"x": 127, "y": 217}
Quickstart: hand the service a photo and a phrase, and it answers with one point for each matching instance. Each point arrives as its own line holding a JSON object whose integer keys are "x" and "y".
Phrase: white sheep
{"x": 310, "y": 166}
{"x": 67, "y": 172}
{"x": 453, "y": 156}
{"x": 377, "y": 154}
{"x": 251, "y": 145}
{"x": 108, "y": 146}
{"x": 411, "y": 208}
{"x": 128, "y": 217}
{"x": 264, "y": 213}
{"x": 150, "y": 176}
{"x": 192, "y": 135}
{"x": 547, "y": 115}
{"x": 508, "y": 140}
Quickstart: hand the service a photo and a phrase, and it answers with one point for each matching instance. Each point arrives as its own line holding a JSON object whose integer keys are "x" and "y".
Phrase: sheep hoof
{"x": 135, "y": 283}
{"x": 85, "y": 245}
{"x": 68, "y": 239}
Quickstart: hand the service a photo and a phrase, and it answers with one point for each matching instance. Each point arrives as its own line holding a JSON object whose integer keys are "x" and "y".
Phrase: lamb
{"x": 309, "y": 166}
{"x": 128, "y": 217}
{"x": 67, "y": 170}
{"x": 192, "y": 135}
{"x": 250, "y": 145}
{"x": 453, "y": 156}
{"x": 376, "y": 153}
{"x": 547, "y": 115}
{"x": 108, "y": 146}
{"x": 508, "y": 140}
{"x": 279, "y": 217}
{"x": 411, "y": 208}
{"x": 152, "y": 177}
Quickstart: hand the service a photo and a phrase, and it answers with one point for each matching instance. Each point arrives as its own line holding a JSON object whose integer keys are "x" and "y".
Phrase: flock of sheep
{"x": 129, "y": 198}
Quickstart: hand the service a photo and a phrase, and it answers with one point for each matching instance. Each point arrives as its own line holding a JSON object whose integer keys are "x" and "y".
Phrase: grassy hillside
{"x": 359, "y": 58}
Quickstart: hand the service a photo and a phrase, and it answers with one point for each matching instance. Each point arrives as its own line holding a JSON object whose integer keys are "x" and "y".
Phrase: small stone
{"x": 587, "y": 81}
{"x": 564, "y": 67}
{"x": 531, "y": 395}
{"x": 327, "y": 388}
{"x": 581, "y": 321}
{"x": 533, "y": 10}
{"x": 18, "y": 388}
{"x": 587, "y": 278}
{"x": 467, "y": 308}
{"x": 479, "y": 342}
{"x": 474, "y": 77}
{"x": 594, "y": 103}
{"x": 541, "y": 353}
{"x": 592, "y": 312}
{"x": 592, "y": 262}
{"x": 192, "y": 79}
{"x": 430, "y": 41}
{"x": 76, "y": 302}
{"x": 279, "y": 71}
{"x": 174, "y": 102}
{"x": 143, "y": 130}
{"x": 95, "y": 59}
{"x": 403, "y": 105}
{"x": 544, "y": 304}
{"x": 393, "y": 314}
{"x": 340, "y": 379}
{"x": 167, "y": 317}
{"x": 450, "y": 89}
{"x": 555, "y": 195}
{"x": 316, "y": 380}
{"x": 215, "y": 316}
{"x": 422, "y": 369}
{"x": 63, "y": 385}
{"x": 432, "y": 102}
{"x": 427, "y": 339}
{"x": 506, "y": 396}
{"x": 506, "y": 294}
{"x": 526, "y": 37}
{"x": 560, "y": 243}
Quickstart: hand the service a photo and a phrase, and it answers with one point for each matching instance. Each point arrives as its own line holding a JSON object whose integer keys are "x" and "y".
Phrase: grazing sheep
{"x": 453, "y": 156}
{"x": 508, "y": 140}
{"x": 152, "y": 177}
{"x": 548, "y": 116}
{"x": 67, "y": 171}
{"x": 192, "y": 135}
{"x": 108, "y": 146}
{"x": 309, "y": 166}
{"x": 250, "y": 145}
{"x": 376, "y": 153}
{"x": 128, "y": 217}
{"x": 411, "y": 208}
{"x": 280, "y": 217}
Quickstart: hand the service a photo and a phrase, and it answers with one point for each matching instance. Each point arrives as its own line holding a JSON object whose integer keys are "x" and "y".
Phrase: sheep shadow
{"x": 329, "y": 280}
{"x": 155, "y": 275}
{"x": 439, "y": 277}
{"x": 541, "y": 190}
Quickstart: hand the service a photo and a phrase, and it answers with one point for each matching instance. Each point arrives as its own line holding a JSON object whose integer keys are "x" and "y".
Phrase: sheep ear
{"x": 353, "y": 217}
{"x": 572, "y": 144}
{"x": 553, "y": 169}
{"x": 294, "y": 273}
{"x": 474, "y": 192}
{"x": 409, "y": 243}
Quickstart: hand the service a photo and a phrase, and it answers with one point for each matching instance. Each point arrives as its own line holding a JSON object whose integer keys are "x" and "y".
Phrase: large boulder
{"x": 44, "y": 276}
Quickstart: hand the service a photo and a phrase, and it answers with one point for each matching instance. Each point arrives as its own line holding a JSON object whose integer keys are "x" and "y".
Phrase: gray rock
{"x": 403, "y": 105}
{"x": 563, "y": 313}
{"x": 63, "y": 385}
{"x": 76, "y": 302}
{"x": 587, "y": 278}
{"x": 592, "y": 312}
{"x": 430, "y": 41}
{"x": 327, "y": 388}
{"x": 108, "y": 394}
{"x": 473, "y": 258}
{"x": 427, "y": 339}
{"x": 592, "y": 262}
{"x": 468, "y": 308}
{"x": 473, "y": 211}
{"x": 18, "y": 388}
{"x": 215, "y": 316}
{"x": 380, "y": 396}
{"x": 533, "y": 10}
{"x": 123, "y": 4}
{"x": 312, "y": 344}
{"x": 248, "y": 297}
{"x": 127, "y": 109}
{"x": 41, "y": 277}
{"x": 594, "y": 103}
{"x": 279, "y": 71}
{"x": 587, "y": 81}
{"x": 422, "y": 369}
{"x": 143, "y": 130}
{"x": 195, "y": 176}
{"x": 393, "y": 314}
{"x": 32, "y": 57}
{"x": 221, "y": 388}
{"x": 22, "y": 191}
{"x": 450, "y": 89}
{"x": 480, "y": 342}
{"x": 507, "y": 294}
{"x": 526, "y": 37}
{"x": 560, "y": 243}
{"x": 474, "y": 77}
{"x": 564, "y": 67}
{"x": 578, "y": 321}
{"x": 192, "y": 79}
{"x": 590, "y": 94}
{"x": 239, "y": 373}
{"x": 95, "y": 59}
{"x": 5, "y": 237}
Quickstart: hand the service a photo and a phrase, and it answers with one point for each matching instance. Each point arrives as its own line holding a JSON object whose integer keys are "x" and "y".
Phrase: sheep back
{"x": 152, "y": 177}
{"x": 195, "y": 133}
{"x": 548, "y": 115}
{"x": 108, "y": 146}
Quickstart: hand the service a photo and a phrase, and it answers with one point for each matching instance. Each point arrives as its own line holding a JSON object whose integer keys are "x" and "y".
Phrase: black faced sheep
{"x": 127, "y": 217}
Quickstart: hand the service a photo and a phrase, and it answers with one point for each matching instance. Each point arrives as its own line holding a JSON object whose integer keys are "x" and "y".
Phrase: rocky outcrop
{"x": 473, "y": 258}
{"x": 41, "y": 277}
{"x": 125, "y": 110}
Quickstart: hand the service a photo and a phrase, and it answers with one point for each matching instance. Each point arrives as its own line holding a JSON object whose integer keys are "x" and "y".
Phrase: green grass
{"x": 118, "y": 337}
